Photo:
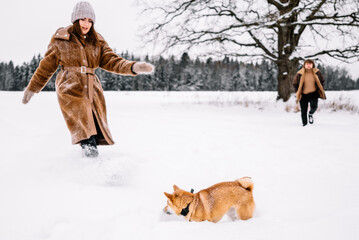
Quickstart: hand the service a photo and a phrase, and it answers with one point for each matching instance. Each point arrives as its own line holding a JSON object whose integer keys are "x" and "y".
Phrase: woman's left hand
{"x": 143, "y": 68}
{"x": 27, "y": 96}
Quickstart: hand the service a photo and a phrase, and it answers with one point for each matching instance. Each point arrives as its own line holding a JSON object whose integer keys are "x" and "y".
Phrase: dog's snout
{"x": 165, "y": 209}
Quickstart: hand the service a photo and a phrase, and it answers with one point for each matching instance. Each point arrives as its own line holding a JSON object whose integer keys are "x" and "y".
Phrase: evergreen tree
{"x": 182, "y": 75}
{"x": 236, "y": 78}
{"x": 10, "y": 82}
{"x": 357, "y": 84}
{"x": 2, "y": 76}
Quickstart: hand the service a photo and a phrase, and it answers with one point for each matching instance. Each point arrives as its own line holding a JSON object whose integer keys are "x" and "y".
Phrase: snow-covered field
{"x": 306, "y": 178}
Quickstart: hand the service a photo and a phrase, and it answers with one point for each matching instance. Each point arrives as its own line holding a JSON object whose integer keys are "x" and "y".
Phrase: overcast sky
{"x": 27, "y": 27}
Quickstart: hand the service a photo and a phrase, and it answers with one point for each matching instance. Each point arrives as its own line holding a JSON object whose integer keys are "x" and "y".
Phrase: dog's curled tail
{"x": 246, "y": 182}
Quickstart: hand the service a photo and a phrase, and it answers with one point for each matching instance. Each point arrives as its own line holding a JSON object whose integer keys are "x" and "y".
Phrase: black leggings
{"x": 93, "y": 139}
{"x": 312, "y": 99}
{"x": 98, "y": 129}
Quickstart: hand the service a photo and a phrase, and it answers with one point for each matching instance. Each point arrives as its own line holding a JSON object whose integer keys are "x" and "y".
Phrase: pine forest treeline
{"x": 184, "y": 74}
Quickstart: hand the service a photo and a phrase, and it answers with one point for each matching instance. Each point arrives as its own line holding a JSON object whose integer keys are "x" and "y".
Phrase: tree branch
{"x": 350, "y": 52}
{"x": 278, "y": 5}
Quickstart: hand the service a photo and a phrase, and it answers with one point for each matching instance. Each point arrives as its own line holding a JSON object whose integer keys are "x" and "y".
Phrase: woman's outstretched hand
{"x": 143, "y": 68}
{"x": 27, "y": 96}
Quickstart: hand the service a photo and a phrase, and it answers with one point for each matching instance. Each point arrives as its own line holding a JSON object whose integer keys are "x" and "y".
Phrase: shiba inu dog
{"x": 234, "y": 198}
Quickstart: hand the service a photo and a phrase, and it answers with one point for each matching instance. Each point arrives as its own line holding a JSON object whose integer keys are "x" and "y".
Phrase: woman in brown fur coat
{"x": 308, "y": 84}
{"x": 79, "y": 50}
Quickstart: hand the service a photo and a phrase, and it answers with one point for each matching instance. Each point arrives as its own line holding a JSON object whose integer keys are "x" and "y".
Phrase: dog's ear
{"x": 169, "y": 196}
{"x": 175, "y": 188}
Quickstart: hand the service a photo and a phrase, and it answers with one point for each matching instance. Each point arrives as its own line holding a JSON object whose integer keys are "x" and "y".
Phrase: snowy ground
{"x": 306, "y": 178}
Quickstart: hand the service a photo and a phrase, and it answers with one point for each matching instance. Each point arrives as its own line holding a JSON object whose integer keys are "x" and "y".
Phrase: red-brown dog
{"x": 212, "y": 203}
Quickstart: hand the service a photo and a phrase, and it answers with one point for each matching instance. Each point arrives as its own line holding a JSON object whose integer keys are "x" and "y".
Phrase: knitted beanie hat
{"x": 83, "y": 10}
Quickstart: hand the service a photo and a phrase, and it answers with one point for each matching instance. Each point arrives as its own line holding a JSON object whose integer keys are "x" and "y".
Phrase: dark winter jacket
{"x": 298, "y": 82}
{"x": 80, "y": 95}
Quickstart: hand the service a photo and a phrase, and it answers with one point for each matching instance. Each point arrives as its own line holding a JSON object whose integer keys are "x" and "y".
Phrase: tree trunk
{"x": 286, "y": 45}
{"x": 286, "y": 73}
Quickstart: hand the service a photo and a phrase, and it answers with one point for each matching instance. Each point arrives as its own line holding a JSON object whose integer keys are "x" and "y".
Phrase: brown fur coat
{"x": 298, "y": 82}
{"x": 71, "y": 87}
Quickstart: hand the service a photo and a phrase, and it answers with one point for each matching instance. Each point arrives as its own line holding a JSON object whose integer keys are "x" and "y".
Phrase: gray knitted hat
{"x": 83, "y": 10}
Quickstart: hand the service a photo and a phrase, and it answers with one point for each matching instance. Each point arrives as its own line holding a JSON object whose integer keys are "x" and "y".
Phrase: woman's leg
{"x": 313, "y": 101}
{"x": 89, "y": 146}
{"x": 304, "y": 109}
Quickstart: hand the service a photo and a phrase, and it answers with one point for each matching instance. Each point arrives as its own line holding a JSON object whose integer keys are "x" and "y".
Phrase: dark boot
{"x": 311, "y": 119}
{"x": 89, "y": 147}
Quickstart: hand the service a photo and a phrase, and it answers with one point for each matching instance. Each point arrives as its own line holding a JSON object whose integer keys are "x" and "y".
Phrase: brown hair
{"x": 91, "y": 35}
{"x": 309, "y": 61}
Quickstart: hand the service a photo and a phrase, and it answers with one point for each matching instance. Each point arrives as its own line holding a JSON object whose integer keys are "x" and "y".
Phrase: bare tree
{"x": 283, "y": 31}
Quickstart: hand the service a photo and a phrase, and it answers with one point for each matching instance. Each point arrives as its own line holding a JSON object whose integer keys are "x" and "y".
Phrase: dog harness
{"x": 185, "y": 211}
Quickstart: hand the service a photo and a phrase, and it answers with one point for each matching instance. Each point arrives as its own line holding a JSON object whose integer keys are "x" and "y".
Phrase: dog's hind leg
{"x": 232, "y": 214}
